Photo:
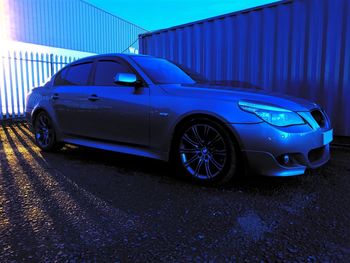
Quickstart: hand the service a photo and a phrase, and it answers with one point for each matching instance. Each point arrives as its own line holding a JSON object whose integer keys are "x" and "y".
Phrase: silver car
{"x": 150, "y": 107}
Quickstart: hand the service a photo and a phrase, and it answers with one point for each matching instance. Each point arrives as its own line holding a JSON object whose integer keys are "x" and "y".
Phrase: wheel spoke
{"x": 42, "y": 122}
{"x": 194, "y": 158}
{"x": 196, "y": 134}
{"x": 207, "y": 169}
{"x": 190, "y": 141}
{"x": 215, "y": 140}
{"x": 216, "y": 164}
{"x": 193, "y": 151}
{"x": 206, "y": 131}
{"x": 45, "y": 122}
{"x": 199, "y": 165}
{"x": 46, "y": 140}
{"x": 219, "y": 152}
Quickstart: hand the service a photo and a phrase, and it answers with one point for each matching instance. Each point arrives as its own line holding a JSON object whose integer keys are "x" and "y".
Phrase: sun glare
{"x": 5, "y": 25}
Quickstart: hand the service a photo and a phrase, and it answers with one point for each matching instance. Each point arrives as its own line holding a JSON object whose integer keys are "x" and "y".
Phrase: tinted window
{"x": 197, "y": 77}
{"x": 161, "y": 71}
{"x": 60, "y": 78}
{"x": 106, "y": 71}
{"x": 78, "y": 74}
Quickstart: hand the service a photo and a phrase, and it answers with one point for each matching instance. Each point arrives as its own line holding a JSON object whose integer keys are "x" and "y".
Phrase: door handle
{"x": 55, "y": 96}
{"x": 93, "y": 97}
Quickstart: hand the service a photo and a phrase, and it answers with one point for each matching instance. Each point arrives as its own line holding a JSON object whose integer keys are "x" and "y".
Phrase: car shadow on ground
{"x": 248, "y": 182}
{"x": 105, "y": 203}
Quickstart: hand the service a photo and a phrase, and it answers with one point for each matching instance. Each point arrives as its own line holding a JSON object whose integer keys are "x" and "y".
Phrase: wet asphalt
{"x": 86, "y": 205}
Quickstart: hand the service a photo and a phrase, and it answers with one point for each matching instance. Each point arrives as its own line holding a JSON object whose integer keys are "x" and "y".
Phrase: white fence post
{"x": 10, "y": 76}
{"x": 27, "y": 73}
{"x": 19, "y": 72}
{"x": 1, "y": 89}
{"x": 23, "y": 84}
{"x": 5, "y": 87}
{"x": 17, "y": 102}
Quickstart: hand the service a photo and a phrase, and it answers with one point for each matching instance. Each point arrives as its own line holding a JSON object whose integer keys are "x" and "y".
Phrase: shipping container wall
{"x": 299, "y": 47}
{"x": 69, "y": 24}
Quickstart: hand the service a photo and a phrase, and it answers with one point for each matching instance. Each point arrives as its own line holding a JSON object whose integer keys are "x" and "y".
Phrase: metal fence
{"x": 19, "y": 73}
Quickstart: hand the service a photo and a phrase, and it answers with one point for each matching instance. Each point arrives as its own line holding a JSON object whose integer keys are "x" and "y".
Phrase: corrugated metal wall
{"x": 69, "y": 24}
{"x": 299, "y": 47}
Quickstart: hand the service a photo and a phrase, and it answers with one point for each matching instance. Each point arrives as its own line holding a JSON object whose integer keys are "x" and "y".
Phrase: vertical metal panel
{"x": 297, "y": 47}
{"x": 69, "y": 24}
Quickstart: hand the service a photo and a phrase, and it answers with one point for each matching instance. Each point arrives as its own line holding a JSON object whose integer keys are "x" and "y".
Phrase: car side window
{"x": 106, "y": 71}
{"x": 60, "y": 79}
{"x": 75, "y": 75}
{"x": 78, "y": 75}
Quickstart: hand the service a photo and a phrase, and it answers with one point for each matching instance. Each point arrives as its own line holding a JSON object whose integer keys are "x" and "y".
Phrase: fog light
{"x": 286, "y": 159}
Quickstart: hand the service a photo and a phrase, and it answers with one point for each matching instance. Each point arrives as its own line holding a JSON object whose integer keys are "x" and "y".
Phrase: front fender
{"x": 165, "y": 117}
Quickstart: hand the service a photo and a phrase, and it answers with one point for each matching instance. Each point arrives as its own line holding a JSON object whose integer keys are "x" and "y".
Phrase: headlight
{"x": 271, "y": 114}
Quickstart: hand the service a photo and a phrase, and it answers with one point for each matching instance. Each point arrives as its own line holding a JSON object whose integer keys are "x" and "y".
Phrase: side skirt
{"x": 127, "y": 149}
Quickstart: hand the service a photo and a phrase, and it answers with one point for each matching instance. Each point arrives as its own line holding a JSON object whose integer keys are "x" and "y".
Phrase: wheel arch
{"x": 217, "y": 119}
{"x": 35, "y": 113}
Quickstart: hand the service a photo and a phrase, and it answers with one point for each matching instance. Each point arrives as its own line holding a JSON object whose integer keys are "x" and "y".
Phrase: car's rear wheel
{"x": 44, "y": 131}
{"x": 204, "y": 151}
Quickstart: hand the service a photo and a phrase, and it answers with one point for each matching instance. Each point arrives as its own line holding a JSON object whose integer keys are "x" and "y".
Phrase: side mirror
{"x": 125, "y": 79}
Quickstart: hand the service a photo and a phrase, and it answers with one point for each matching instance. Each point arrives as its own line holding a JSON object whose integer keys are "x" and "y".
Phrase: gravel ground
{"x": 88, "y": 205}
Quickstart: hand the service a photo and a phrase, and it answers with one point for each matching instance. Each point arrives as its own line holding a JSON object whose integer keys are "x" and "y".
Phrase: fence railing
{"x": 19, "y": 73}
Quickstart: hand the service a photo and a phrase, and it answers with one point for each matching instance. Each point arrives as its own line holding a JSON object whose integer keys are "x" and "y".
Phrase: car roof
{"x": 91, "y": 58}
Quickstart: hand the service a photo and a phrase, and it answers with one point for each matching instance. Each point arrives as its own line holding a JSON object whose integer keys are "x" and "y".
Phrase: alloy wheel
{"x": 203, "y": 151}
{"x": 44, "y": 133}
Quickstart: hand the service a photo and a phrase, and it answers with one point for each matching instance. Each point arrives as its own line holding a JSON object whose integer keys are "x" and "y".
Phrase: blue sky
{"x": 158, "y": 14}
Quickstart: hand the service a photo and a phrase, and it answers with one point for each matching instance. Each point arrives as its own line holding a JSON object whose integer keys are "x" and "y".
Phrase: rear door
{"x": 70, "y": 98}
{"x": 122, "y": 113}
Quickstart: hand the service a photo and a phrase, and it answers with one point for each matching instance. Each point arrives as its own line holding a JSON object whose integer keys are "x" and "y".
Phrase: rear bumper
{"x": 266, "y": 148}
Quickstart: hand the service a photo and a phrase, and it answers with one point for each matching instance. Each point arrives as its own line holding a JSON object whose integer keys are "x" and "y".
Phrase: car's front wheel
{"x": 204, "y": 151}
{"x": 44, "y": 131}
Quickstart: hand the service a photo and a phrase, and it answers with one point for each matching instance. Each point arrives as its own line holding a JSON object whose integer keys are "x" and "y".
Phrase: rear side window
{"x": 76, "y": 75}
{"x": 60, "y": 78}
{"x": 106, "y": 71}
{"x": 79, "y": 74}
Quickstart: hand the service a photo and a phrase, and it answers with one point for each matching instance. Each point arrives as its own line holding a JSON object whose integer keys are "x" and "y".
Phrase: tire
{"x": 45, "y": 135}
{"x": 204, "y": 151}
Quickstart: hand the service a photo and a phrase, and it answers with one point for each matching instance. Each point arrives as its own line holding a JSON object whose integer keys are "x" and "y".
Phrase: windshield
{"x": 161, "y": 71}
{"x": 197, "y": 77}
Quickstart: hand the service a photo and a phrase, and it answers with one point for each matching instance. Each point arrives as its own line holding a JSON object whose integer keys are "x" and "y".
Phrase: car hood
{"x": 236, "y": 94}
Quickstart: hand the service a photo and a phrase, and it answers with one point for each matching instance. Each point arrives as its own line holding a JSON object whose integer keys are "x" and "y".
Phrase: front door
{"x": 123, "y": 111}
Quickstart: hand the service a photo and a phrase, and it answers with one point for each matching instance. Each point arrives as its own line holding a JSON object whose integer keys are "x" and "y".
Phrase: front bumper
{"x": 265, "y": 147}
